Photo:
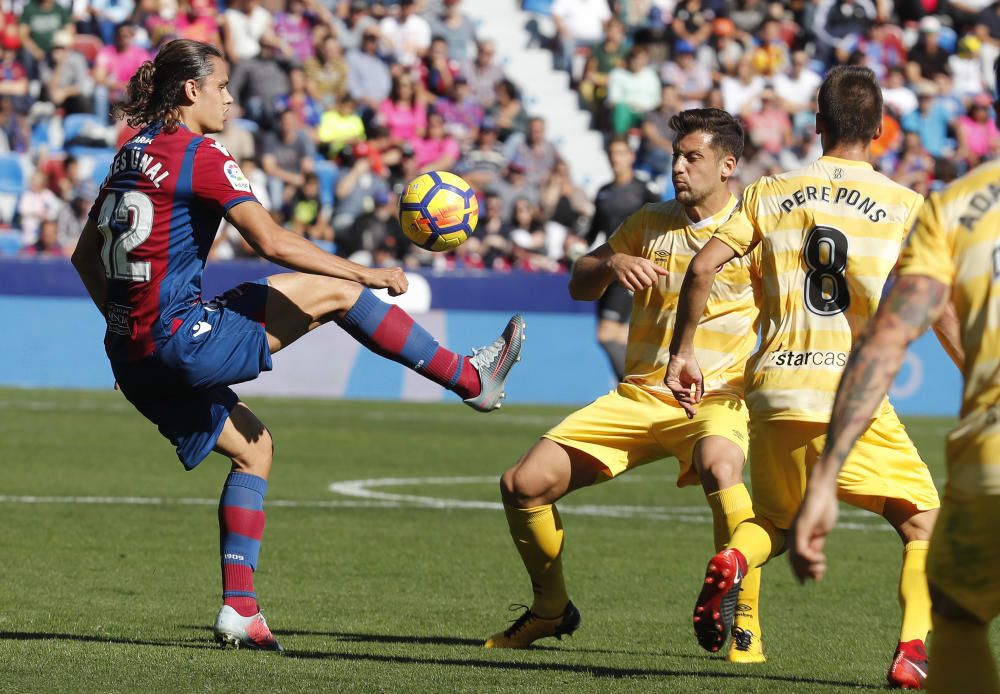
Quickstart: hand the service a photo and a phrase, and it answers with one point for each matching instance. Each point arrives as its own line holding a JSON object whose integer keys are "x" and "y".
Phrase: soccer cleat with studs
{"x": 494, "y": 362}
{"x": 233, "y": 629}
{"x": 909, "y": 666}
{"x": 715, "y": 609}
{"x": 529, "y": 627}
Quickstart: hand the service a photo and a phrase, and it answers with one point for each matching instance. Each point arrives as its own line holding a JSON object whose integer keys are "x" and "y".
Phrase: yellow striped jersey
{"x": 663, "y": 233}
{"x": 956, "y": 240}
{"x": 829, "y": 235}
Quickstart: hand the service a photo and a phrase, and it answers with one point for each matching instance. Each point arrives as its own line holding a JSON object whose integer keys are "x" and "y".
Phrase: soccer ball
{"x": 438, "y": 210}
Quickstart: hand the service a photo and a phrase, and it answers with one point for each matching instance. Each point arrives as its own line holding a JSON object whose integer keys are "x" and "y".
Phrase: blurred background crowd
{"x": 340, "y": 102}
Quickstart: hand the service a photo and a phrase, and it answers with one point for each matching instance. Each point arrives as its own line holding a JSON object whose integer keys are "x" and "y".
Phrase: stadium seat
{"x": 10, "y": 242}
{"x": 327, "y": 173}
{"x": 87, "y": 45}
{"x": 11, "y": 174}
{"x": 74, "y": 124}
{"x": 94, "y": 161}
{"x": 250, "y": 126}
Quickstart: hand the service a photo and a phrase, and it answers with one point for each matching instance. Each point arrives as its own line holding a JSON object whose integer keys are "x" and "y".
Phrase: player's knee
{"x": 527, "y": 486}
{"x": 340, "y": 296}
{"x": 912, "y": 524}
{"x": 719, "y": 463}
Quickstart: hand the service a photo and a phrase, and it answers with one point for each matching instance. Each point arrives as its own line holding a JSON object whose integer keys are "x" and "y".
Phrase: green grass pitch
{"x": 386, "y": 562}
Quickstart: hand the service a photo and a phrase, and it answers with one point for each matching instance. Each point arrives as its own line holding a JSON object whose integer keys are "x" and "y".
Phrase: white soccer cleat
{"x": 233, "y": 629}
{"x": 494, "y": 362}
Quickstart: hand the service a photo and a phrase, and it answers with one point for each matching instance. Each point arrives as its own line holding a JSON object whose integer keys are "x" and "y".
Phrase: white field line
{"x": 364, "y": 494}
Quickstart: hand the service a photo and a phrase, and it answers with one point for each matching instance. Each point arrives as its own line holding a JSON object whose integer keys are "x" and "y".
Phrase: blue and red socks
{"x": 390, "y": 332}
{"x": 241, "y": 525}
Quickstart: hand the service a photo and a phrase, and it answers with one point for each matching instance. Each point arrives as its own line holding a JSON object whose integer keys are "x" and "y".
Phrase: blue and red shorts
{"x": 183, "y": 386}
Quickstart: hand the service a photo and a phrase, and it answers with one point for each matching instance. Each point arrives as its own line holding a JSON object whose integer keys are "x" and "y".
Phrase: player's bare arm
{"x": 290, "y": 250}
{"x": 913, "y": 304}
{"x": 595, "y": 271}
{"x": 87, "y": 261}
{"x": 684, "y": 377}
{"x": 948, "y": 331}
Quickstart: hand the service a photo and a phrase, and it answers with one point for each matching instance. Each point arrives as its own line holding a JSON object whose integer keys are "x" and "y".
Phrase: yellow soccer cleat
{"x": 529, "y": 627}
{"x": 745, "y": 647}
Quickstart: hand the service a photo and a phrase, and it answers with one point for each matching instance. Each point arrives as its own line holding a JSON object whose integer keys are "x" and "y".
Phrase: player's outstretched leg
{"x": 247, "y": 442}
{"x": 298, "y": 303}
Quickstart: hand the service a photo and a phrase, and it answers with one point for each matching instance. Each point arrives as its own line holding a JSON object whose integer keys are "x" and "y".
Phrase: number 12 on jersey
{"x": 125, "y": 221}
{"x": 826, "y": 292}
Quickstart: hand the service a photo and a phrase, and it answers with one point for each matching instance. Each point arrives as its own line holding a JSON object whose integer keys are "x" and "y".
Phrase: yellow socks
{"x": 960, "y": 658}
{"x": 914, "y": 597}
{"x": 538, "y": 536}
{"x": 759, "y": 540}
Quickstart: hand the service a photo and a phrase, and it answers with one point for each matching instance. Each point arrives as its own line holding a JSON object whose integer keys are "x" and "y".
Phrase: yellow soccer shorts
{"x": 884, "y": 464}
{"x": 630, "y": 427}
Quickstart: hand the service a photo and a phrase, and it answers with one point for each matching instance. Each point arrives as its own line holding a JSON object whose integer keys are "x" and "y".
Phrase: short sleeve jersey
{"x": 663, "y": 233}
{"x": 158, "y": 212}
{"x": 956, "y": 240}
{"x": 829, "y": 235}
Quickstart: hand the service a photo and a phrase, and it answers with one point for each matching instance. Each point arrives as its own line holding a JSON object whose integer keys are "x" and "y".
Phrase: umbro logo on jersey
{"x": 201, "y": 327}
{"x": 662, "y": 254}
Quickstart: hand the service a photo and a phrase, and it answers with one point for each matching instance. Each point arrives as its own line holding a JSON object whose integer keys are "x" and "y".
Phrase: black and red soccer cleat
{"x": 716, "y": 607}
{"x": 909, "y": 666}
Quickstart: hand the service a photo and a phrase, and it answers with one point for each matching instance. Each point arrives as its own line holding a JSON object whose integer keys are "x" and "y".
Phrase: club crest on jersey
{"x": 237, "y": 179}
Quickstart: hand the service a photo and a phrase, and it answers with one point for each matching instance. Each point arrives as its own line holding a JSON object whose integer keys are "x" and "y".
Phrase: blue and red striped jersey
{"x": 158, "y": 212}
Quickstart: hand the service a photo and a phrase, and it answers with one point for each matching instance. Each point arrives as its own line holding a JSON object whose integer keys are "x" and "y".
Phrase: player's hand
{"x": 685, "y": 381}
{"x": 635, "y": 273}
{"x": 816, "y": 517}
{"x": 391, "y": 278}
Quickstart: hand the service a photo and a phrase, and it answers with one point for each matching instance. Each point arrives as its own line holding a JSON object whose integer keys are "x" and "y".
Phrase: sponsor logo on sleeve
{"x": 237, "y": 179}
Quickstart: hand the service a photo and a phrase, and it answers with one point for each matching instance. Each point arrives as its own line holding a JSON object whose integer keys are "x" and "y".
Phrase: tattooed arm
{"x": 913, "y": 304}
{"x": 949, "y": 334}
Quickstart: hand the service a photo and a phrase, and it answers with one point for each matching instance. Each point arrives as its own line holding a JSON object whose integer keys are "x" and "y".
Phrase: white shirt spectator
{"x": 408, "y": 39}
{"x": 246, "y": 31}
{"x": 967, "y": 75}
{"x": 799, "y": 90}
{"x": 738, "y": 95}
{"x": 901, "y": 99}
{"x": 583, "y": 19}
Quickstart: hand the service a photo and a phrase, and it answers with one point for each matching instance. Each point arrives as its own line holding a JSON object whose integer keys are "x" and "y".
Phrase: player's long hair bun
{"x": 156, "y": 90}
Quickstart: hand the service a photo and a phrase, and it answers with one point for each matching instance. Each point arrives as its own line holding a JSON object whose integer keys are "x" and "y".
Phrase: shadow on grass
{"x": 96, "y": 638}
{"x": 592, "y": 670}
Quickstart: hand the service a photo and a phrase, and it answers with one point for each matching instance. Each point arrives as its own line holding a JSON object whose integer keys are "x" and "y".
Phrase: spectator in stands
{"x": 368, "y": 77}
{"x": 484, "y": 74}
{"x": 13, "y": 76}
{"x": 632, "y": 91}
{"x": 965, "y": 68}
{"x": 305, "y": 215}
{"x": 915, "y": 168}
{"x": 494, "y": 233}
{"x": 340, "y": 127}
{"x": 882, "y": 47}
{"x": 114, "y": 66}
{"x": 740, "y": 92}
{"x": 39, "y": 22}
{"x": 564, "y": 202}
{"x": 408, "y": 35}
{"x": 404, "y": 113}
{"x": 461, "y": 112}
{"x": 327, "y": 72}
{"x": 536, "y": 153}
{"x": 692, "y": 23}
{"x": 199, "y": 20}
{"x": 66, "y": 78}
{"x": 287, "y": 157}
{"x": 14, "y": 133}
{"x": 378, "y": 228}
{"x": 770, "y": 56}
{"x": 246, "y": 28}
{"x": 989, "y": 52}
{"x": 437, "y": 70}
{"x": 36, "y": 205}
{"x": 976, "y": 132}
{"x": 457, "y": 29}
{"x": 930, "y": 120}
{"x": 796, "y": 87}
{"x": 769, "y": 126}
{"x": 927, "y": 58}
{"x": 836, "y": 20}
{"x": 47, "y": 244}
{"x": 579, "y": 25}
{"x": 101, "y": 17}
{"x": 526, "y": 227}
{"x": 437, "y": 150}
{"x": 692, "y": 79}
{"x": 292, "y": 28}
{"x": 350, "y": 30}
{"x": 604, "y": 57}
{"x": 483, "y": 165}
{"x": 299, "y": 99}
{"x": 896, "y": 95}
{"x": 727, "y": 48}
{"x": 357, "y": 187}
{"x": 257, "y": 83}
{"x": 656, "y": 147}
{"x": 748, "y": 15}
{"x": 507, "y": 110}
{"x": 238, "y": 141}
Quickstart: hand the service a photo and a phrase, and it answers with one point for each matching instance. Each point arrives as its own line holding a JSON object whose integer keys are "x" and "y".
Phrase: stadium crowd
{"x": 340, "y": 102}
